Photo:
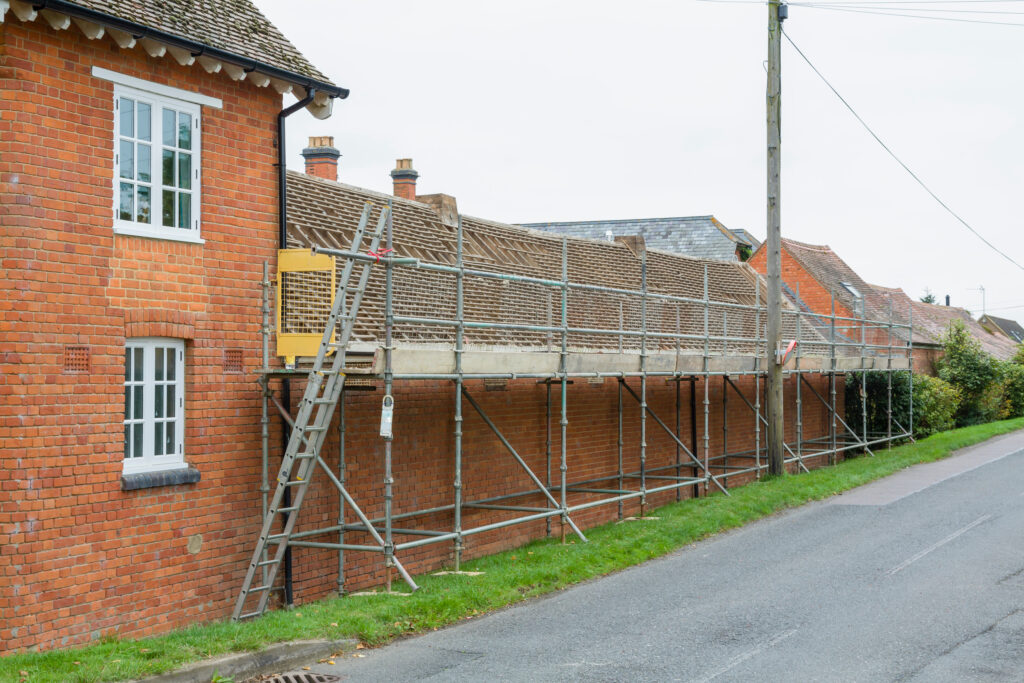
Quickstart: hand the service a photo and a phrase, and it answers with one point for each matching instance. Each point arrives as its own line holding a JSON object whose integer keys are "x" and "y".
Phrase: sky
{"x": 559, "y": 111}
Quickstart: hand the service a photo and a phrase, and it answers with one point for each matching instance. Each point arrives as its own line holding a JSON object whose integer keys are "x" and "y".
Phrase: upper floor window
{"x": 157, "y": 163}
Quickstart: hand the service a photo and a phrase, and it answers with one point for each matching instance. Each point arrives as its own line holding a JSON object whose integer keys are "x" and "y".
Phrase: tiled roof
{"x": 901, "y": 306}
{"x": 235, "y": 26}
{"x": 698, "y": 236}
{"x": 836, "y": 276}
{"x": 323, "y": 212}
{"x": 936, "y": 319}
{"x": 1011, "y": 328}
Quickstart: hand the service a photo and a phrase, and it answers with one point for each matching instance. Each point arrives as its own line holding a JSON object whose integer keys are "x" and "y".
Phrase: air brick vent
{"x": 76, "y": 359}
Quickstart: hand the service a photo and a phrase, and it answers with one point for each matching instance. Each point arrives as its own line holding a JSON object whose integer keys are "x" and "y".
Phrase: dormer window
{"x": 851, "y": 289}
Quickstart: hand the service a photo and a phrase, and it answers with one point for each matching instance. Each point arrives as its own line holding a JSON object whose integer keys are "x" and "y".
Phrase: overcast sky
{"x": 557, "y": 111}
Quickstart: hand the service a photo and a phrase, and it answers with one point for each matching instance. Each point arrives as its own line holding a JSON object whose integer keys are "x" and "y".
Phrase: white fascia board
{"x": 157, "y": 88}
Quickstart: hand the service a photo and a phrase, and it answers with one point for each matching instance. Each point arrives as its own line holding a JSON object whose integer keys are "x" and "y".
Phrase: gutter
{"x": 196, "y": 49}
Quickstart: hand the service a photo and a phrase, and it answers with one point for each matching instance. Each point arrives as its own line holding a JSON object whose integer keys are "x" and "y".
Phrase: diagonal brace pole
{"x": 522, "y": 463}
{"x": 674, "y": 438}
{"x": 799, "y": 459}
{"x": 364, "y": 519}
{"x": 857, "y": 438}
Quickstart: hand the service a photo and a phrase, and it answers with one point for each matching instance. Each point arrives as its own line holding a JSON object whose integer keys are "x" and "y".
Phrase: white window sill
{"x": 168, "y": 234}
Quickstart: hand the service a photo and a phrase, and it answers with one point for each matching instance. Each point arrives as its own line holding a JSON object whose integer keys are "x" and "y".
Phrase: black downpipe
{"x": 282, "y": 243}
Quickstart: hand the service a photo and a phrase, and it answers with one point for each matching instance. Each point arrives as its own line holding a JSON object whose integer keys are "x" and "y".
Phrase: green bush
{"x": 1013, "y": 388}
{"x": 877, "y": 387}
{"x": 935, "y": 405}
{"x": 974, "y": 373}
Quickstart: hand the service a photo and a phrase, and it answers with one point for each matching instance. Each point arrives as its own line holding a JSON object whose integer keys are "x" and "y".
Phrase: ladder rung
{"x": 276, "y": 537}
{"x": 299, "y": 482}
{"x": 248, "y": 615}
{"x": 266, "y": 563}
{"x": 323, "y": 401}
{"x": 304, "y": 456}
{"x": 293, "y": 508}
{"x": 315, "y": 429}
{"x": 260, "y": 589}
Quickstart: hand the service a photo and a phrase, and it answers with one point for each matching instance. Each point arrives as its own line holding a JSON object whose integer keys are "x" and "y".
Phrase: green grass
{"x": 510, "y": 577}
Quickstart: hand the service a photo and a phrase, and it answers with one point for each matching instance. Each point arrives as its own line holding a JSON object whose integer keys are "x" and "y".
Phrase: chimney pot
{"x": 404, "y": 177}
{"x": 947, "y": 299}
{"x": 322, "y": 157}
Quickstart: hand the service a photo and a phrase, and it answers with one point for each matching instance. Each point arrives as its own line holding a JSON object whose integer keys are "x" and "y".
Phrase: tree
{"x": 974, "y": 373}
{"x": 928, "y": 297}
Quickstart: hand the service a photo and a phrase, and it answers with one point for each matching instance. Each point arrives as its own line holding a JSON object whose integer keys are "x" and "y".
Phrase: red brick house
{"x": 140, "y": 150}
{"x": 139, "y": 200}
{"x": 818, "y": 279}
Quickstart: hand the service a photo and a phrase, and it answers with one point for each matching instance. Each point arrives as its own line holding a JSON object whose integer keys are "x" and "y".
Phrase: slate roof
{"x": 324, "y": 212}
{"x": 1011, "y": 328}
{"x": 697, "y": 236}
{"x": 235, "y": 26}
{"x": 746, "y": 237}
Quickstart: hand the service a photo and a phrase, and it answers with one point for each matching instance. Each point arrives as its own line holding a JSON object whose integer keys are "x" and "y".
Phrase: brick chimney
{"x": 404, "y": 177}
{"x": 322, "y": 158}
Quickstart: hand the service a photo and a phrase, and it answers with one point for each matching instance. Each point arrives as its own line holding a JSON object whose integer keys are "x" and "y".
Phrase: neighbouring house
{"x": 139, "y": 185}
{"x": 824, "y": 284}
{"x": 698, "y": 236}
{"x": 1003, "y": 326}
{"x": 934, "y": 319}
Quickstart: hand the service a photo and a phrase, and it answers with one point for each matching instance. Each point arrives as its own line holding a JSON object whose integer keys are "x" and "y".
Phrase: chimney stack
{"x": 322, "y": 158}
{"x": 404, "y": 177}
{"x": 947, "y": 299}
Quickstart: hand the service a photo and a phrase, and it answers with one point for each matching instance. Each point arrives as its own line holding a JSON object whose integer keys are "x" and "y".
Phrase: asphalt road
{"x": 919, "y": 577}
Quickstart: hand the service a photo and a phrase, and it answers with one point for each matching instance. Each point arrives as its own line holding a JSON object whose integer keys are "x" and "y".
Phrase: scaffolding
{"x": 653, "y": 337}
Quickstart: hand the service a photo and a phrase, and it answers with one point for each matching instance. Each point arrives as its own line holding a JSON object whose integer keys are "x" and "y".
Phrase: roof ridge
{"x": 617, "y": 220}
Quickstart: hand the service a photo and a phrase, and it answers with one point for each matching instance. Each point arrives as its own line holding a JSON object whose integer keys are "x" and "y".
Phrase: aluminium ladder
{"x": 312, "y": 422}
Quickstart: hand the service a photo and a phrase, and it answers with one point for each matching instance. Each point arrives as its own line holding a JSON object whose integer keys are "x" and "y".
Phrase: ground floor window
{"x": 154, "y": 404}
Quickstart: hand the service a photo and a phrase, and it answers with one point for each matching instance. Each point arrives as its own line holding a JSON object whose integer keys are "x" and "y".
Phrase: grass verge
{"x": 511, "y": 576}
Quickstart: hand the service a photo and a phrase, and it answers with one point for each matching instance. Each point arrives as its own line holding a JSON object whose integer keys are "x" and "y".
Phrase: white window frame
{"x": 147, "y": 460}
{"x": 158, "y": 100}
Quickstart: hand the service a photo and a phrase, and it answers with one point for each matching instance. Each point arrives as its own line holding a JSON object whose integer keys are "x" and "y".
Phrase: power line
{"x": 893, "y": 154}
{"x": 820, "y": 5}
{"x": 884, "y": 13}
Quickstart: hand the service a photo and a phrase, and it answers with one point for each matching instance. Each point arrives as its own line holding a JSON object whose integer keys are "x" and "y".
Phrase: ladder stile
{"x": 312, "y": 421}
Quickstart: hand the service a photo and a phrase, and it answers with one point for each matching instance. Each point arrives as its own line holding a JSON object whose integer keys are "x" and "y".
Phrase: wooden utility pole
{"x": 776, "y": 12}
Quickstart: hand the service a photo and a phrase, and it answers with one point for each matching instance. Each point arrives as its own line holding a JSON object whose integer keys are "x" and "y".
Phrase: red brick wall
{"x": 79, "y": 557}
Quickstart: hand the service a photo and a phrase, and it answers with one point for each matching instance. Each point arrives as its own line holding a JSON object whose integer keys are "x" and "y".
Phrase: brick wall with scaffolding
{"x": 540, "y": 384}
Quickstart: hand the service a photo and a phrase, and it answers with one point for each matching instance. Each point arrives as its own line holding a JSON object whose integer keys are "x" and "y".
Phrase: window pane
{"x": 137, "y": 448}
{"x": 127, "y": 117}
{"x": 144, "y": 209}
{"x": 185, "y": 171}
{"x": 158, "y": 439}
{"x": 168, "y": 208}
{"x": 127, "y": 195}
{"x": 170, "y": 446}
{"x": 185, "y": 130}
{"x": 137, "y": 365}
{"x": 127, "y": 159}
{"x": 127, "y": 364}
{"x": 145, "y": 170}
{"x": 168, "y": 168}
{"x": 145, "y": 121}
{"x": 169, "y": 128}
{"x": 171, "y": 401}
{"x": 127, "y": 402}
{"x": 137, "y": 408}
{"x": 127, "y": 443}
{"x": 184, "y": 210}
{"x": 172, "y": 358}
{"x": 158, "y": 364}
{"x": 158, "y": 403}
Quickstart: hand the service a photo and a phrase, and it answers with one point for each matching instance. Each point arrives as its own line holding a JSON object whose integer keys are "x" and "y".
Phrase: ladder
{"x": 309, "y": 432}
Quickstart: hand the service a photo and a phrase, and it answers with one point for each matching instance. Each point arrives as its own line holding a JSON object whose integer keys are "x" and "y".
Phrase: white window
{"x": 156, "y": 165}
{"x": 154, "y": 405}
